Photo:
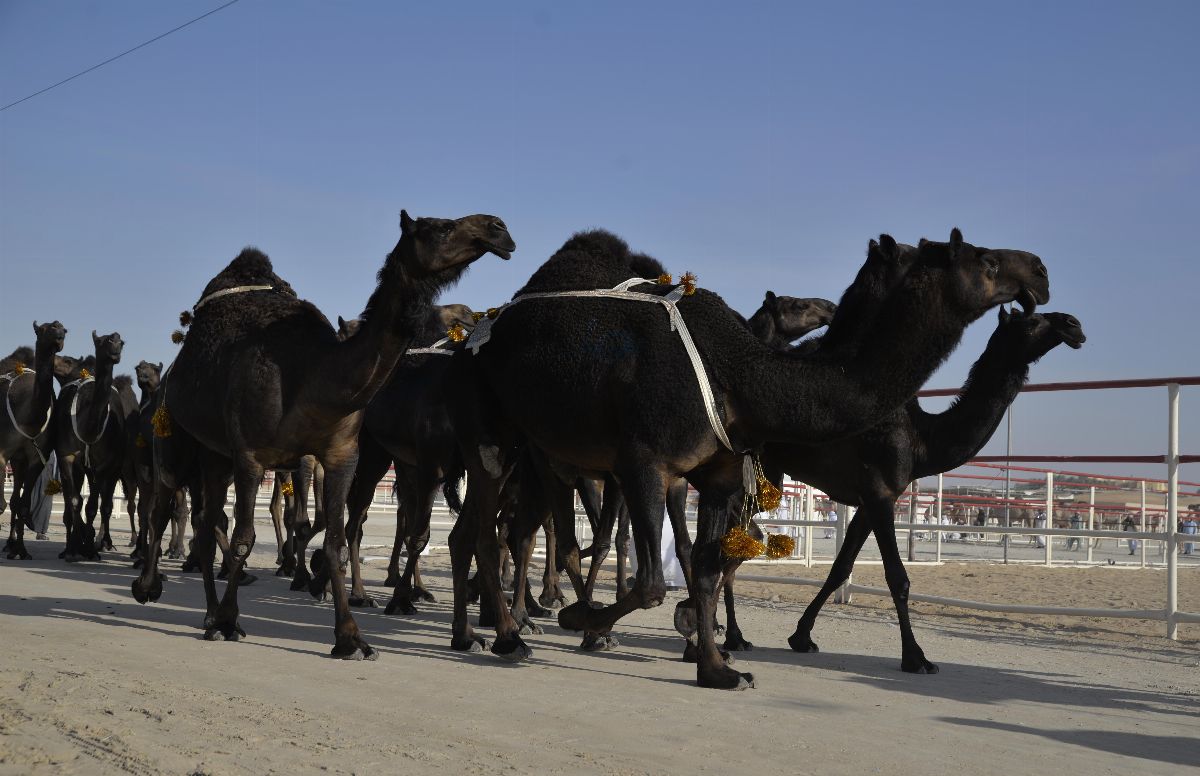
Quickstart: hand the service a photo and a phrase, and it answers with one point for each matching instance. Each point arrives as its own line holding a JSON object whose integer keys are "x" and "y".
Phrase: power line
{"x": 118, "y": 56}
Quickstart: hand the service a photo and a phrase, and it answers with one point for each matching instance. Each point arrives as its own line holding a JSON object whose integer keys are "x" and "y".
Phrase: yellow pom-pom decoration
{"x": 19, "y": 368}
{"x": 161, "y": 422}
{"x": 177, "y": 337}
{"x": 185, "y": 318}
{"x": 53, "y": 488}
{"x": 457, "y": 333}
{"x": 780, "y": 546}
{"x": 140, "y": 441}
{"x": 740, "y": 545}
{"x": 84, "y": 374}
{"x": 769, "y": 496}
{"x": 287, "y": 488}
{"x": 477, "y": 316}
{"x": 665, "y": 279}
{"x": 493, "y": 312}
{"x": 688, "y": 280}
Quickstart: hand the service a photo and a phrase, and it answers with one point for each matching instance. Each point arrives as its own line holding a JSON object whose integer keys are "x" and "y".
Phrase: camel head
{"x": 796, "y": 316}
{"x": 975, "y": 279}
{"x": 347, "y": 328}
{"x": 451, "y": 315}
{"x": 51, "y": 335}
{"x": 148, "y": 375}
{"x": 69, "y": 368}
{"x": 888, "y": 261}
{"x": 1023, "y": 339}
{"x": 437, "y": 244}
{"x": 108, "y": 347}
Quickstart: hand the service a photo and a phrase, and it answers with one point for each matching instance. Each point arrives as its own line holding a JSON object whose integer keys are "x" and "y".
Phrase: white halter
{"x": 227, "y": 292}
{"x": 482, "y": 333}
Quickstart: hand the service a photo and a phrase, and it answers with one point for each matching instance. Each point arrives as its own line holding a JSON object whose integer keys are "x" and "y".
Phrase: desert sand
{"x": 91, "y": 682}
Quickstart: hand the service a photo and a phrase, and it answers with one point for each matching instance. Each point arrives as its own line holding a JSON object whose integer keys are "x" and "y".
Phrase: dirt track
{"x": 91, "y": 682}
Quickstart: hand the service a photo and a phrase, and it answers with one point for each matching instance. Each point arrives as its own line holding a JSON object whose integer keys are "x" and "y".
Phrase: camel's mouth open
{"x": 1073, "y": 337}
{"x": 1028, "y": 301}
{"x": 502, "y": 252}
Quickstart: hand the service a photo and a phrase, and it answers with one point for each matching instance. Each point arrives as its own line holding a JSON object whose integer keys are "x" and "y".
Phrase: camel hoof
{"x": 281, "y": 572}
{"x": 363, "y": 601}
{"x": 535, "y": 610}
{"x": 918, "y": 665}
{"x": 301, "y": 580}
{"x": 529, "y": 628}
{"x": 552, "y": 601}
{"x": 400, "y": 604}
{"x": 224, "y": 631}
{"x": 735, "y": 643}
{"x": 724, "y": 678}
{"x": 598, "y": 642}
{"x": 356, "y": 649}
{"x": 472, "y": 643}
{"x": 190, "y": 565}
{"x": 511, "y": 649}
{"x": 247, "y": 579}
{"x": 421, "y": 594}
{"x": 801, "y": 642}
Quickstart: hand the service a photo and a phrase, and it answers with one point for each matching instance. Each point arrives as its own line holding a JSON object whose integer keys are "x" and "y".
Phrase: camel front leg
{"x": 843, "y": 565}
{"x": 912, "y": 657}
{"x": 711, "y": 668}
{"x": 247, "y": 477}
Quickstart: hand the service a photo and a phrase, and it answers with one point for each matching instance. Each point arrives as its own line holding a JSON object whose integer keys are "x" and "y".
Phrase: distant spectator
{"x": 829, "y": 532}
{"x": 1076, "y": 524}
{"x": 1128, "y": 525}
{"x": 1039, "y": 521}
{"x": 1188, "y": 526}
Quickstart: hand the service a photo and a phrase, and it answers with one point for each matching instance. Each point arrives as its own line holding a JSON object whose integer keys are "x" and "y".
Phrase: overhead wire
{"x": 118, "y": 56}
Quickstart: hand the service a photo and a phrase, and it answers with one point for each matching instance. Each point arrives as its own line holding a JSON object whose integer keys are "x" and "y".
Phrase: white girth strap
{"x": 435, "y": 349}
{"x": 482, "y": 333}
{"x": 87, "y": 446}
{"x": 11, "y": 378}
{"x": 227, "y": 292}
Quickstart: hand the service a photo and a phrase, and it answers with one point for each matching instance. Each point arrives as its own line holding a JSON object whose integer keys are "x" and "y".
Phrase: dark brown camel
{"x": 262, "y": 380}
{"x": 138, "y": 443}
{"x": 778, "y": 322}
{"x": 21, "y": 356}
{"x": 90, "y": 416}
{"x": 872, "y": 469}
{"x": 569, "y": 376}
{"x": 28, "y": 394}
{"x": 406, "y": 423}
{"x": 100, "y": 491}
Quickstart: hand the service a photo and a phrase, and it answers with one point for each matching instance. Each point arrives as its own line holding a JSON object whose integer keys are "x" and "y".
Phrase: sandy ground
{"x": 91, "y": 682}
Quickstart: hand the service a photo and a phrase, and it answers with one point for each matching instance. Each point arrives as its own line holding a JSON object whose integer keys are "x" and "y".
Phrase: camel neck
{"x": 43, "y": 381}
{"x": 93, "y": 414}
{"x": 952, "y": 437}
{"x": 807, "y": 399}
{"x": 396, "y": 312}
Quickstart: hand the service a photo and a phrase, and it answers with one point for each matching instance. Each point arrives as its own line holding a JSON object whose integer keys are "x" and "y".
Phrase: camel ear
{"x": 888, "y": 245}
{"x": 160, "y": 366}
{"x": 406, "y": 222}
{"x": 1004, "y": 315}
{"x": 95, "y": 339}
{"x": 769, "y": 299}
{"x": 956, "y": 241}
{"x": 35, "y": 327}
{"x": 341, "y": 322}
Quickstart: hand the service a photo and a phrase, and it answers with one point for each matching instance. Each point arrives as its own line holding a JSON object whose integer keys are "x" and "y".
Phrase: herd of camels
{"x": 603, "y": 369}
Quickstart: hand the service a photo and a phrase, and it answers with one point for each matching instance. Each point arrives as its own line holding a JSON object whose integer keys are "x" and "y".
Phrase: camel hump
{"x": 121, "y": 382}
{"x": 250, "y": 267}
{"x": 595, "y": 258}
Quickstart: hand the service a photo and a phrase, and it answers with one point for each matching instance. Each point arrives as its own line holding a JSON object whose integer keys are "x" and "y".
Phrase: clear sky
{"x": 759, "y": 145}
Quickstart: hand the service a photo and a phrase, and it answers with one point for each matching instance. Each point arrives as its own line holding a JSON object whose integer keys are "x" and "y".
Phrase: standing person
{"x": 1188, "y": 527}
{"x": 1076, "y": 524}
{"x": 40, "y": 504}
{"x": 1039, "y": 521}
{"x": 1128, "y": 525}
{"x": 832, "y": 519}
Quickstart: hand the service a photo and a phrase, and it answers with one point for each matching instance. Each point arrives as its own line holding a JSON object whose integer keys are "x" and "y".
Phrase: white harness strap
{"x": 11, "y": 378}
{"x": 227, "y": 292}
{"x": 435, "y": 349}
{"x": 482, "y": 333}
{"x": 87, "y": 446}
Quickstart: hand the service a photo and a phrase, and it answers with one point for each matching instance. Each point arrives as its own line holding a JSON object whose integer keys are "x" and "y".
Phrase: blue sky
{"x": 758, "y": 145}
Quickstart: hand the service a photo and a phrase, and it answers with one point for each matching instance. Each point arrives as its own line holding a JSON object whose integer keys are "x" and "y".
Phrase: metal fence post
{"x": 1144, "y": 542}
{"x": 1091, "y": 521}
{"x": 839, "y": 537}
{"x": 1049, "y": 513}
{"x": 1172, "y": 509}
{"x": 808, "y": 529}
{"x": 938, "y": 530}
